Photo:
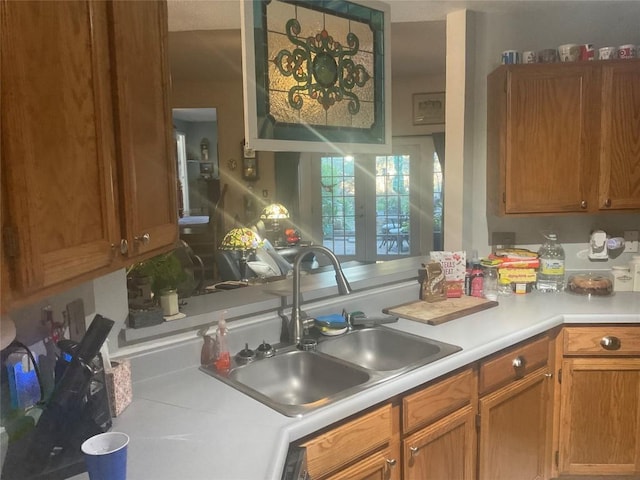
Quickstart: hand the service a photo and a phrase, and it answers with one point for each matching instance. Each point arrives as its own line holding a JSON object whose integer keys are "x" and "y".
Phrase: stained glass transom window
{"x": 319, "y": 71}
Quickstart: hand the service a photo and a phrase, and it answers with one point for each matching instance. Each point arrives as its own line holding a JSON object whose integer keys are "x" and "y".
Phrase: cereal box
{"x": 454, "y": 265}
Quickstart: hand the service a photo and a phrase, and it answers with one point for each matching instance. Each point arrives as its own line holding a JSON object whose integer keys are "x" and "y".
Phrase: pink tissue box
{"x": 119, "y": 386}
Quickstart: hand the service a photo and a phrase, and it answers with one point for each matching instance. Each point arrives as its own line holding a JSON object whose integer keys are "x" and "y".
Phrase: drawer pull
{"x": 518, "y": 362}
{"x": 144, "y": 239}
{"x": 414, "y": 451}
{"x": 610, "y": 343}
{"x": 583, "y": 204}
{"x": 391, "y": 462}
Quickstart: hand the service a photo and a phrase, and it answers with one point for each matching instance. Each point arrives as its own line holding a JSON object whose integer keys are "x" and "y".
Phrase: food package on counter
{"x": 454, "y": 265}
{"x": 522, "y": 280}
{"x": 434, "y": 285}
{"x": 517, "y": 275}
{"x": 512, "y": 258}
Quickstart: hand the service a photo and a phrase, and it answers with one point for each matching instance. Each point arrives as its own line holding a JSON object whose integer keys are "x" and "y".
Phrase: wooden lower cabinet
{"x": 515, "y": 415}
{"x": 513, "y": 430}
{"x": 365, "y": 447}
{"x": 507, "y": 417}
{"x": 438, "y": 424}
{"x": 599, "y": 428}
{"x": 444, "y": 450}
{"x": 380, "y": 465}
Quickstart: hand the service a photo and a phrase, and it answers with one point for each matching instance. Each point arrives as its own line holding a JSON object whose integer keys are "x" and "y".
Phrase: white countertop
{"x": 187, "y": 425}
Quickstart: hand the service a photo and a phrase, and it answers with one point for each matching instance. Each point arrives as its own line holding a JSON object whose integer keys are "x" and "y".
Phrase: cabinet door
{"x": 620, "y": 136}
{"x": 382, "y": 465}
{"x": 148, "y": 181}
{"x": 600, "y": 416}
{"x": 514, "y": 430}
{"x": 550, "y": 139}
{"x": 57, "y": 142}
{"x": 446, "y": 449}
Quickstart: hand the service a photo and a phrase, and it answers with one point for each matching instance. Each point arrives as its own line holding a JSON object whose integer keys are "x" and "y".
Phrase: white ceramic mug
{"x": 607, "y": 53}
{"x": 569, "y": 52}
{"x": 627, "y": 51}
{"x": 529, "y": 57}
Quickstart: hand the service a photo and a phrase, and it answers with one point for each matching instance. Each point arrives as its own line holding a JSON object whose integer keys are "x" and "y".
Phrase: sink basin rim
{"x": 289, "y": 409}
{"x": 444, "y": 349}
{"x": 375, "y": 377}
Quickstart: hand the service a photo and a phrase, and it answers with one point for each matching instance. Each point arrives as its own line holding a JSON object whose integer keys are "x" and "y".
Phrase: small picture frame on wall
{"x": 249, "y": 164}
{"x": 428, "y": 108}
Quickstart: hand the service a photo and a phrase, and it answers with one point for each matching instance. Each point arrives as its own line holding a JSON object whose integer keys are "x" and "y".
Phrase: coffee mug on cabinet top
{"x": 627, "y": 51}
{"x": 587, "y": 52}
{"x": 607, "y": 53}
{"x": 529, "y": 57}
{"x": 569, "y": 52}
{"x": 548, "y": 55}
{"x": 510, "y": 57}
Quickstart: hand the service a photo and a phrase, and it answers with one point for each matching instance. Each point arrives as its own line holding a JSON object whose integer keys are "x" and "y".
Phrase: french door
{"x": 373, "y": 207}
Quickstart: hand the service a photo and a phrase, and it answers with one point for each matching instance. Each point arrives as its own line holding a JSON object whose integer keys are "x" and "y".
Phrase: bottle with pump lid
{"x": 223, "y": 357}
{"x": 550, "y": 276}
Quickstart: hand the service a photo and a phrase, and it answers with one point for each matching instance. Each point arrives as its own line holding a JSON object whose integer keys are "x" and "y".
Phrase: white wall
{"x": 600, "y": 23}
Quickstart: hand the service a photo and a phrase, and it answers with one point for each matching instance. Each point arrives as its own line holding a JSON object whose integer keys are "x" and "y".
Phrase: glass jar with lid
{"x": 622, "y": 279}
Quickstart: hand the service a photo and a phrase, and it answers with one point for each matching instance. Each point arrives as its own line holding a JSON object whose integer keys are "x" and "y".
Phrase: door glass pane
{"x": 338, "y": 204}
{"x": 392, "y": 204}
{"x": 438, "y": 203}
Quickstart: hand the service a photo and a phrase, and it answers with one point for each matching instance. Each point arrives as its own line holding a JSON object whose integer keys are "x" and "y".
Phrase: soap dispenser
{"x": 223, "y": 358}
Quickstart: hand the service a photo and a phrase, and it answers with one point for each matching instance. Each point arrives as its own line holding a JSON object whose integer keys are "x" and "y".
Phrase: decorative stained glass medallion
{"x": 317, "y": 77}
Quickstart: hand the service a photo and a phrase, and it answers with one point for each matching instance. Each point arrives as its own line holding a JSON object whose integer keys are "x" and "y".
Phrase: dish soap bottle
{"x": 551, "y": 273}
{"x": 223, "y": 358}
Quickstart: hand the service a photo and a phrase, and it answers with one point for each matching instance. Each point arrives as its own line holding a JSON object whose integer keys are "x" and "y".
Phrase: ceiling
{"x": 205, "y": 42}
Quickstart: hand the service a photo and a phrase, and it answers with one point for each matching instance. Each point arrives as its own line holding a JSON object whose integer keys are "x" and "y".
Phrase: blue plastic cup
{"x": 106, "y": 456}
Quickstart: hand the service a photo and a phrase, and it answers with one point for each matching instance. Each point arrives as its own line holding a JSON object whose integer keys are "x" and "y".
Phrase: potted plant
{"x": 166, "y": 274}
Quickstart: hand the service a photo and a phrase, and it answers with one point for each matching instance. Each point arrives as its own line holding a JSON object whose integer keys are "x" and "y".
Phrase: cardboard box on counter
{"x": 119, "y": 386}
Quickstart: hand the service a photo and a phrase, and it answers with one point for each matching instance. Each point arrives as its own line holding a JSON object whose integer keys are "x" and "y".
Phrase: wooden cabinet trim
{"x": 589, "y": 340}
{"x": 463, "y": 419}
{"x": 437, "y": 400}
{"x": 500, "y": 370}
{"x": 380, "y": 465}
{"x": 338, "y": 447}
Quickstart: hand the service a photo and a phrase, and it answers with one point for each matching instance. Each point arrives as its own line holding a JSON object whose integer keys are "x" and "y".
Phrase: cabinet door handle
{"x": 144, "y": 239}
{"x": 124, "y": 246}
{"x": 583, "y": 204}
{"x": 518, "y": 362}
{"x": 414, "y": 451}
{"x": 607, "y": 202}
{"x": 610, "y": 343}
{"x": 391, "y": 462}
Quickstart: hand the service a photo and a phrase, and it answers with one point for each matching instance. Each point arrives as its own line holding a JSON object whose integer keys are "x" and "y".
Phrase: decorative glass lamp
{"x": 274, "y": 213}
{"x": 243, "y": 240}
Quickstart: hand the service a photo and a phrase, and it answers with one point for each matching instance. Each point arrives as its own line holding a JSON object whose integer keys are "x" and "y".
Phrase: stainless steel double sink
{"x": 294, "y": 382}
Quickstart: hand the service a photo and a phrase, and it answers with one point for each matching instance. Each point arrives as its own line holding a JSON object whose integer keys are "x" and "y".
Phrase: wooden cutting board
{"x": 440, "y": 312}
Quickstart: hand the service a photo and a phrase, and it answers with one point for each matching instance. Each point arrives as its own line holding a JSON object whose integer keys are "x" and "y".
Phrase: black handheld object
{"x": 70, "y": 416}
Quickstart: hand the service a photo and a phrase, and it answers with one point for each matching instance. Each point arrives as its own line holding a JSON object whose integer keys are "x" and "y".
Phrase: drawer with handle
{"x": 610, "y": 340}
{"x": 513, "y": 364}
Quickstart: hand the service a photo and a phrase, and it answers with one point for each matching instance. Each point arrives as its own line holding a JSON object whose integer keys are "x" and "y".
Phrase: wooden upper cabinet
{"x": 143, "y": 126}
{"x": 57, "y": 142}
{"x": 87, "y": 157}
{"x": 563, "y": 138}
{"x": 620, "y": 137}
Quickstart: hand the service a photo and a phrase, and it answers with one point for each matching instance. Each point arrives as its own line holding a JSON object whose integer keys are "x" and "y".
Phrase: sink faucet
{"x": 343, "y": 285}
